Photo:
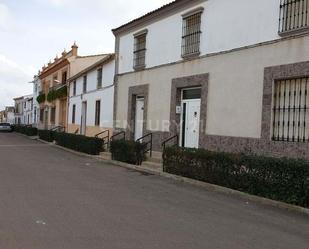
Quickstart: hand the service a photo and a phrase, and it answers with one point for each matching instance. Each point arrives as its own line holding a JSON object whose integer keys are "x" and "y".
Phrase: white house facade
{"x": 27, "y": 110}
{"x": 91, "y": 99}
{"x": 232, "y": 81}
{"x": 36, "y": 106}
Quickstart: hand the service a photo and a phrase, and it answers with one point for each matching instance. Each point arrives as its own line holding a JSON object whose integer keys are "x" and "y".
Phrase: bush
{"x": 280, "y": 179}
{"x": 89, "y": 145}
{"x": 127, "y": 151}
{"x": 27, "y": 130}
{"x": 47, "y": 135}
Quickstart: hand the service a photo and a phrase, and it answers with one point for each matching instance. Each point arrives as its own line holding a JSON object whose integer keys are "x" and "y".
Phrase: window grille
{"x": 140, "y": 51}
{"x": 74, "y": 88}
{"x": 191, "y": 34}
{"x": 291, "y": 110}
{"x": 294, "y": 14}
{"x": 97, "y": 112}
{"x": 52, "y": 115}
{"x": 99, "y": 77}
{"x": 85, "y": 84}
{"x": 73, "y": 113}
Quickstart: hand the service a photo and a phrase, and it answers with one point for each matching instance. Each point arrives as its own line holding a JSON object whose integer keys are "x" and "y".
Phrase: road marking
{"x": 40, "y": 222}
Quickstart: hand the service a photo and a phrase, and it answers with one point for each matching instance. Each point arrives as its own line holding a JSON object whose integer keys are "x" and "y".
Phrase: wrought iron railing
{"x": 104, "y": 136}
{"x": 148, "y": 144}
{"x": 175, "y": 139}
{"x": 121, "y": 134}
{"x": 294, "y": 15}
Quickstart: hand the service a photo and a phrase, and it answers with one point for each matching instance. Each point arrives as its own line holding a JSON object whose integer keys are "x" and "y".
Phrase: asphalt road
{"x": 56, "y": 200}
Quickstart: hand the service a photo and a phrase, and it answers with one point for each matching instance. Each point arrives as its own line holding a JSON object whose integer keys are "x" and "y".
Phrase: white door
{"x": 83, "y": 119}
{"x": 191, "y": 123}
{"x": 139, "y": 118}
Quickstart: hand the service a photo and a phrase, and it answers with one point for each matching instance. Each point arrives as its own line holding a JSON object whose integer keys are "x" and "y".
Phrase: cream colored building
{"x": 221, "y": 80}
{"x": 54, "y": 83}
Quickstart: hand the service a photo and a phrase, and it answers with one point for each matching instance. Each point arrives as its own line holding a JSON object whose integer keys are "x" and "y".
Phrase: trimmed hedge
{"x": 47, "y": 135}
{"x": 280, "y": 179}
{"x": 127, "y": 151}
{"x": 89, "y": 145}
{"x": 27, "y": 130}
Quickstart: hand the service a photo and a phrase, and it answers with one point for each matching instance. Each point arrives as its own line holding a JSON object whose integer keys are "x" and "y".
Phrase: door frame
{"x": 139, "y": 98}
{"x": 134, "y": 91}
{"x": 182, "y": 101}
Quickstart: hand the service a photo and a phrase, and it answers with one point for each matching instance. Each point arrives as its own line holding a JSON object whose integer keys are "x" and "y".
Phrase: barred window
{"x": 74, "y": 88}
{"x": 191, "y": 34}
{"x": 52, "y": 115}
{"x": 85, "y": 84}
{"x": 99, "y": 77}
{"x": 291, "y": 110}
{"x": 140, "y": 51}
{"x": 73, "y": 113}
{"x": 97, "y": 112}
{"x": 294, "y": 15}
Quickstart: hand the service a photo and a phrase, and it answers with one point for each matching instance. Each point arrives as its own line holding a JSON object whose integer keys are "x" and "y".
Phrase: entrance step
{"x": 155, "y": 158}
{"x": 152, "y": 166}
{"x": 106, "y": 155}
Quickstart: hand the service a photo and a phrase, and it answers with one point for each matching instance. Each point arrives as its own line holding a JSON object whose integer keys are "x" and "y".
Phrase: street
{"x": 52, "y": 199}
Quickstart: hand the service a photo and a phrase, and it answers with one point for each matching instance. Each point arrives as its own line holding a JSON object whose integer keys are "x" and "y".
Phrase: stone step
{"x": 152, "y": 165}
{"x": 106, "y": 155}
{"x": 155, "y": 158}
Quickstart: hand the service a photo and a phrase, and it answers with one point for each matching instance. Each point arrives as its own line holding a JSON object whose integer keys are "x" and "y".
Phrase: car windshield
{"x": 4, "y": 124}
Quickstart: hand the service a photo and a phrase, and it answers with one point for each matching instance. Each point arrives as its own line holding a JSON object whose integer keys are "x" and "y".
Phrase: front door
{"x": 190, "y": 126}
{"x": 46, "y": 119}
{"x": 139, "y": 118}
{"x": 83, "y": 119}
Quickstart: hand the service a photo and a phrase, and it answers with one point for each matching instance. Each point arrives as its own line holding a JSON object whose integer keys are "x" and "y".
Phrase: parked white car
{"x": 5, "y": 127}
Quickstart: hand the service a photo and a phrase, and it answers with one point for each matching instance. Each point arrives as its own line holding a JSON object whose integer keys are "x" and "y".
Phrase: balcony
{"x": 57, "y": 92}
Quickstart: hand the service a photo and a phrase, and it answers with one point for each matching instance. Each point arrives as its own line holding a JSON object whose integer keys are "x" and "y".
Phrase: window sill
{"x": 191, "y": 56}
{"x": 297, "y": 31}
{"x": 139, "y": 68}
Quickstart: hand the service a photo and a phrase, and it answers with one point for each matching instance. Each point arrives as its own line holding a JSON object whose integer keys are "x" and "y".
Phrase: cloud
{"x": 13, "y": 80}
{"x": 4, "y": 17}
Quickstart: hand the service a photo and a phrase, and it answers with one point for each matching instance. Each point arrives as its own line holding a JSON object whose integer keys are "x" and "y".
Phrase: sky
{"x": 32, "y": 32}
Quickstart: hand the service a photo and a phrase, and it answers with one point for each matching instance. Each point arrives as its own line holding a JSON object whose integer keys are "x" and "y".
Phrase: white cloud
{"x": 4, "y": 17}
{"x": 13, "y": 80}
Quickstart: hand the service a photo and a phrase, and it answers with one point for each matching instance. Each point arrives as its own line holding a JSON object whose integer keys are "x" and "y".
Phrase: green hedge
{"x": 27, "y": 130}
{"x": 89, "y": 145}
{"x": 282, "y": 179}
{"x": 127, "y": 151}
{"x": 47, "y": 135}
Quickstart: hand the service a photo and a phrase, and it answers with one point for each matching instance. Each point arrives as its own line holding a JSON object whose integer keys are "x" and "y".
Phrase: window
{"x": 41, "y": 115}
{"x": 52, "y": 115}
{"x": 140, "y": 50}
{"x": 291, "y": 110}
{"x": 74, "y": 88}
{"x": 191, "y": 33}
{"x": 99, "y": 77}
{"x": 294, "y": 15}
{"x": 85, "y": 83}
{"x": 73, "y": 113}
{"x": 97, "y": 112}
{"x": 64, "y": 77}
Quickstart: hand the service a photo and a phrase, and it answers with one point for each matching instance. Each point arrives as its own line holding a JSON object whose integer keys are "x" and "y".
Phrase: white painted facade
{"x": 105, "y": 94}
{"x": 226, "y": 25}
{"x": 36, "y": 106}
{"x": 239, "y": 40}
{"x": 28, "y": 110}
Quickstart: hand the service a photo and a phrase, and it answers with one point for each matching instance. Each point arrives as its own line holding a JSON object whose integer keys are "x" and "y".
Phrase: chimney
{"x": 74, "y": 49}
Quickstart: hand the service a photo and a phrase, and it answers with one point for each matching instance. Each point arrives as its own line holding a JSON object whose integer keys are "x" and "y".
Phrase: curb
{"x": 208, "y": 186}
